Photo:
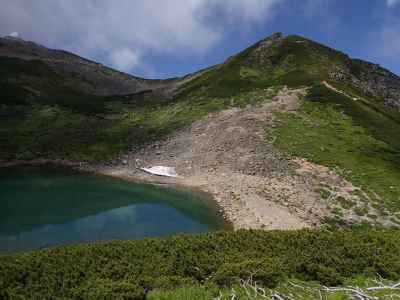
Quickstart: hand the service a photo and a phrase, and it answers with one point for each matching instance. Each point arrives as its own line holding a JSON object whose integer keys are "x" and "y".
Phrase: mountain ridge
{"x": 369, "y": 78}
{"x": 33, "y": 75}
{"x": 94, "y": 78}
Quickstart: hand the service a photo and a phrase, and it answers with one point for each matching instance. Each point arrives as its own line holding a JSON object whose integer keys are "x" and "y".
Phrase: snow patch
{"x": 161, "y": 171}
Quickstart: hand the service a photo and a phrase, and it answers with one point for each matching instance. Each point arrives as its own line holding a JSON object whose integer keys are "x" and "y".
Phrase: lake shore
{"x": 235, "y": 194}
{"x": 235, "y": 216}
{"x": 134, "y": 176}
{"x": 52, "y": 205}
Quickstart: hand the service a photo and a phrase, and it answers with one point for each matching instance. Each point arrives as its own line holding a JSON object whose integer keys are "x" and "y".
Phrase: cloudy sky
{"x": 164, "y": 38}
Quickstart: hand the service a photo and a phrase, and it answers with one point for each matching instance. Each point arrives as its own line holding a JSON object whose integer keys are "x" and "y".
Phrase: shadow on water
{"x": 52, "y": 206}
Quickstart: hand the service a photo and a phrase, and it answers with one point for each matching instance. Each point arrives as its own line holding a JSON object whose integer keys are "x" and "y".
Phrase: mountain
{"x": 297, "y": 61}
{"x": 34, "y": 78}
{"x": 32, "y": 71}
{"x": 287, "y": 134}
{"x": 56, "y": 105}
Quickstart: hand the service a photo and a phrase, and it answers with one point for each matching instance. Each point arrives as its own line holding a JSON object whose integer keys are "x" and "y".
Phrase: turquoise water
{"x": 47, "y": 207}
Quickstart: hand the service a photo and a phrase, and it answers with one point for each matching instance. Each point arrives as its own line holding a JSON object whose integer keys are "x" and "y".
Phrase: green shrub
{"x": 131, "y": 267}
{"x": 267, "y": 271}
{"x": 99, "y": 289}
{"x": 325, "y": 274}
{"x": 186, "y": 293}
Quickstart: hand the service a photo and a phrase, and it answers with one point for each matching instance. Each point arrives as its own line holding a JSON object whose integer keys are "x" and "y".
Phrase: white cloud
{"x": 127, "y": 27}
{"x": 390, "y": 40}
{"x": 391, "y": 3}
{"x": 243, "y": 10}
{"x": 383, "y": 44}
{"x": 14, "y": 34}
{"x": 124, "y": 59}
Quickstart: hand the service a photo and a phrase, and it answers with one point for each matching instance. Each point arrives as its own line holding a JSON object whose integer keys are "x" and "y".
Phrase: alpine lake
{"x": 51, "y": 206}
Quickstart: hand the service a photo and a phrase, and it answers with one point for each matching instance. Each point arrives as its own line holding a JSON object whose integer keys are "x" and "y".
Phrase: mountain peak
{"x": 273, "y": 37}
{"x": 296, "y": 61}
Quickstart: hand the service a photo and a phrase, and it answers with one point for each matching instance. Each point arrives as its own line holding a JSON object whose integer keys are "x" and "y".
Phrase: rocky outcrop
{"x": 370, "y": 79}
{"x": 261, "y": 54}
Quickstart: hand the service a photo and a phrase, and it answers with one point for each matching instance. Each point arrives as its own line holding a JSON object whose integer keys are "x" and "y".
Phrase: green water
{"x": 47, "y": 207}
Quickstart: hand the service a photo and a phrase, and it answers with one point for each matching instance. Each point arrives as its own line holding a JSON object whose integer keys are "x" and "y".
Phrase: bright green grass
{"x": 381, "y": 122}
{"x": 54, "y": 132}
{"x": 330, "y": 135}
{"x": 294, "y": 62}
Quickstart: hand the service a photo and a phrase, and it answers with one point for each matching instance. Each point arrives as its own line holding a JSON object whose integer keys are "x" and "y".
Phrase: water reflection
{"x": 41, "y": 208}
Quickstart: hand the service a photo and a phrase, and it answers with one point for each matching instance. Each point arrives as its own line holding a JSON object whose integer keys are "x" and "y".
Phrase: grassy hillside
{"x": 54, "y": 131}
{"x": 42, "y": 116}
{"x": 354, "y": 138}
{"x": 131, "y": 269}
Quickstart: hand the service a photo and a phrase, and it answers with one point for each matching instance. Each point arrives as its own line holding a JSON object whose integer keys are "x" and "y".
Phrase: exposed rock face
{"x": 372, "y": 80}
{"x": 273, "y": 53}
{"x": 263, "y": 51}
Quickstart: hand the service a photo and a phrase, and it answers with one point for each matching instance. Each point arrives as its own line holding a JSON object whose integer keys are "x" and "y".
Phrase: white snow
{"x": 161, "y": 171}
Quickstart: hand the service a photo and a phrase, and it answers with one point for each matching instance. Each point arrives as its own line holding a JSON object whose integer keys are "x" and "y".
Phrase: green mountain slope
{"x": 57, "y": 105}
{"x": 296, "y": 61}
{"x": 359, "y": 143}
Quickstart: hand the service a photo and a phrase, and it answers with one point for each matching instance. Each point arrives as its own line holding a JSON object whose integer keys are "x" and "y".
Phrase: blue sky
{"x": 165, "y": 38}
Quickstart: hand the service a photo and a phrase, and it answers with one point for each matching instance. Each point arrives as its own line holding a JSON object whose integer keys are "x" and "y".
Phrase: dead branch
{"x": 356, "y": 292}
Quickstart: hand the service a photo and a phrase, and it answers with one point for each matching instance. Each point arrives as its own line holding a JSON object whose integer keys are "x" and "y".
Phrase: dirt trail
{"x": 338, "y": 91}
